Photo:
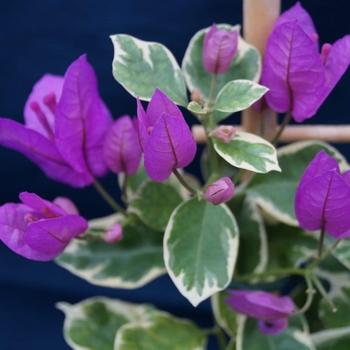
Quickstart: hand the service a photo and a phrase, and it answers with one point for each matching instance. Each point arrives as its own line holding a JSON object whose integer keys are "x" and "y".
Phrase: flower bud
{"x": 219, "y": 49}
{"x": 196, "y": 95}
{"x": 225, "y": 133}
{"x": 113, "y": 234}
{"x": 220, "y": 191}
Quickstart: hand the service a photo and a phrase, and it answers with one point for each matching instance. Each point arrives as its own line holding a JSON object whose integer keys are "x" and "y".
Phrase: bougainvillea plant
{"x": 267, "y": 242}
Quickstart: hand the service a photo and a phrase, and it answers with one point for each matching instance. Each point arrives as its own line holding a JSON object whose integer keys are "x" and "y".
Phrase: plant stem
{"x": 285, "y": 122}
{"x": 220, "y": 336}
{"x": 281, "y": 272}
{"x": 310, "y": 296}
{"x": 108, "y": 198}
{"x": 238, "y": 176}
{"x": 320, "y": 243}
{"x": 323, "y": 292}
{"x": 183, "y": 182}
{"x": 124, "y": 187}
{"x": 317, "y": 260}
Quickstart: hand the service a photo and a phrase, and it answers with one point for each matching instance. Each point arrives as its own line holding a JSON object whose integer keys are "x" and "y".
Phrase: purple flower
{"x": 220, "y": 191}
{"x": 271, "y": 310}
{"x": 323, "y": 197}
{"x": 65, "y": 125}
{"x": 122, "y": 149}
{"x": 38, "y": 229}
{"x": 113, "y": 234}
{"x": 299, "y": 78}
{"x": 219, "y": 49}
{"x": 225, "y": 133}
{"x": 165, "y": 138}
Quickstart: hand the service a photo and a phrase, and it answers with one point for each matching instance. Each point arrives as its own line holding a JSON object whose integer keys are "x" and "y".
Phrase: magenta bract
{"x": 66, "y": 122}
{"x": 271, "y": 310}
{"x": 122, "y": 149}
{"x": 219, "y": 49}
{"x": 323, "y": 197}
{"x": 165, "y": 137}
{"x": 113, "y": 234}
{"x": 38, "y": 229}
{"x": 298, "y": 76}
{"x": 220, "y": 191}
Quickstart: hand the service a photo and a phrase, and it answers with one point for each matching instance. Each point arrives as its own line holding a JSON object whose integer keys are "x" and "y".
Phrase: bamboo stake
{"x": 327, "y": 133}
{"x": 259, "y": 17}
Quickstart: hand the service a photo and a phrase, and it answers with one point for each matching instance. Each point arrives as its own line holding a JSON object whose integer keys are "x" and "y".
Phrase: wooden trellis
{"x": 259, "y": 17}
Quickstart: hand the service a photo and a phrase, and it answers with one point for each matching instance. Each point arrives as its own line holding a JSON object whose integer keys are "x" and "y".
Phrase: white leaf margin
{"x": 251, "y": 139}
{"x": 322, "y": 337}
{"x": 191, "y": 295}
{"x": 72, "y": 312}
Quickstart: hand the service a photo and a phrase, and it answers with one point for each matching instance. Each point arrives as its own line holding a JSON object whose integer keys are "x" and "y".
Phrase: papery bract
{"x": 165, "y": 138}
{"x": 271, "y": 310}
{"x": 299, "y": 78}
{"x": 122, "y": 149}
{"x": 38, "y": 229}
{"x": 220, "y": 191}
{"x": 219, "y": 49}
{"x": 38, "y": 141}
{"x": 323, "y": 197}
{"x": 82, "y": 120}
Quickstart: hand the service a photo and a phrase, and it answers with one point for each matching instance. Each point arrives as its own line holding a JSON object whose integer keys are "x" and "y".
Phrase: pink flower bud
{"x": 67, "y": 205}
{"x": 220, "y": 191}
{"x": 113, "y": 234}
{"x": 225, "y": 133}
{"x": 326, "y": 49}
{"x": 219, "y": 49}
{"x": 196, "y": 95}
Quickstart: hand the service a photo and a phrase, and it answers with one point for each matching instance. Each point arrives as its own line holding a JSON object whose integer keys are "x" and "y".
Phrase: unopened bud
{"x": 113, "y": 234}
{"x": 196, "y": 95}
{"x": 220, "y": 191}
{"x": 314, "y": 37}
{"x": 225, "y": 133}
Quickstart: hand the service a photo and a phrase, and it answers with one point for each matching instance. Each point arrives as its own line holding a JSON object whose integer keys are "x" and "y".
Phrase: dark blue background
{"x": 40, "y": 36}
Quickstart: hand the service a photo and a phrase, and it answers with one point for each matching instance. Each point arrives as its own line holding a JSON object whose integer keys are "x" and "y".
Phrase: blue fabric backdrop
{"x": 40, "y": 36}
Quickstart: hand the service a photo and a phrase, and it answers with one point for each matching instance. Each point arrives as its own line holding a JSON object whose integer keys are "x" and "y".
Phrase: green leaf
{"x": 337, "y": 339}
{"x": 245, "y": 65}
{"x": 342, "y": 252}
{"x": 153, "y": 203}
{"x": 238, "y": 95}
{"x": 248, "y": 151}
{"x": 291, "y": 246}
{"x": 275, "y": 192}
{"x": 160, "y": 331}
{"x": 141, "y": 67}
{"x": 196, "y": 108}
{"x": 130, "y": 263}
{"x": 294, "y": 337}
{"x": 93, "y": 323}
{"x": 338, "y": 279}
{"x": 253, "y": 249}
{"x": 224, "y": 315}
{"x": 200, "y": 248}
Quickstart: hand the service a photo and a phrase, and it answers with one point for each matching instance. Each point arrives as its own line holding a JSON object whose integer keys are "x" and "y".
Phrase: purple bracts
{"x": 66, "y": 123}
{"x": 38, "y": 229}
{"x": 122, "y": 151}
{"x": 165, "y": 138}
{"x": 323, "y": 197}
{"x": 220, "y": 191}
{"x": 298, "y": 76}
{"x": 271, "y": 310}
{"x": 219, "y": 49}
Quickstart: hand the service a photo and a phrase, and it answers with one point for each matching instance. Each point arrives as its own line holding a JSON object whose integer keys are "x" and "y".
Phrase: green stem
{"x": 183, "y": 182}
{"x": 238, "y": 176}
{"x": 124, "y": 189}
{"x": 310, "y": 296}
{"x": 281, "y": 272}
{"x": 108, "y": 198}
{"x": 285, "y": 122}
{"x": 323, "y": 292}
{"x": 220, "y": 336}
{"x": 320, "y": 243}
{"x": 318, "y": 260}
